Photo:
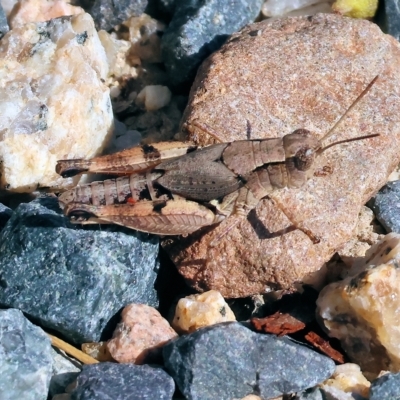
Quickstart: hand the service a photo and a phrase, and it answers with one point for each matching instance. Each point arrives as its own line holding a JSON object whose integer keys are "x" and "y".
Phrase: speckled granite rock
{"x": 4, "y": 28}
{"x": 266, "y": 81}
{"x": 25, "y": 354}
{"x": 362, "y": 310}
{"x": 228, "y": 360}
{"x": 386, "y": 387}
{"x": 123, "y": 382}
{"x": 54, "y": 102}
{"x": 386, "y": 206}
{"x": 200, "y": 27}
{"x": 108, "y": 13}
{"x": 73, "y": 280}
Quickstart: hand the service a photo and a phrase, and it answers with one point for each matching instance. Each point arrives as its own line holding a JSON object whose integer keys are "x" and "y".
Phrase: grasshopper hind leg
{"x": 162, "y": 217}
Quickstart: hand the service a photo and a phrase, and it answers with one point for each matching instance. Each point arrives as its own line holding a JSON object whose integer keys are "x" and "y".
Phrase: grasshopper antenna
{"x": 360, "y": 96}
{"x": 321, "y": 150}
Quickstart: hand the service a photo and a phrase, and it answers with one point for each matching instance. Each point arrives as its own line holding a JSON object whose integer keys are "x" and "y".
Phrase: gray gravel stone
{"x": 387, "y": 387}
{"x": 386, "y": 206}
{"x": 64, "y": 372}
{"x": 199, "y": 27}
{"x": 108, "y": 13}
{"x": 25, "y": 358}
{"x": 107, "y": 381}
{"x": 3, "y": 23}
{"x": 70, "y": 279}
{"x": 228, "y": 361}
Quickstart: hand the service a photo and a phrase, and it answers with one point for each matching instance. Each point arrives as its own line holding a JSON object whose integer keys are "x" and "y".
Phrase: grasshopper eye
{"x": 304, "y": 158}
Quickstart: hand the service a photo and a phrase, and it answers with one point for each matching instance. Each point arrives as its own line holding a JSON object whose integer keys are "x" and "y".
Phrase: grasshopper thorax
{"x": 301, "y": 147}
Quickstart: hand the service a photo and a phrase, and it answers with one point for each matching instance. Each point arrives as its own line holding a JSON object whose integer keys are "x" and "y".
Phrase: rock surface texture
{"x": 362, "y": 310}
{"x": 54, "y": 104}
{"x": 72, "y": 280}
{"x": 25, "y": 354}
{"x": 267, "y": 81}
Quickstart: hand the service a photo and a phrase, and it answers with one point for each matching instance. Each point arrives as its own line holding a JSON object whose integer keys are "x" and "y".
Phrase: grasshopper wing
{"x": 200, "y": 175}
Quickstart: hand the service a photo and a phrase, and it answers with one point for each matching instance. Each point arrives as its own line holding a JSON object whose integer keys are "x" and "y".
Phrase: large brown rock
{"x": 266, "y": 81}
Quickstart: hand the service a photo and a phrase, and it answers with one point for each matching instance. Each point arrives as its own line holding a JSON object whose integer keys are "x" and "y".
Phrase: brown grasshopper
{"x": 174, "y": 188}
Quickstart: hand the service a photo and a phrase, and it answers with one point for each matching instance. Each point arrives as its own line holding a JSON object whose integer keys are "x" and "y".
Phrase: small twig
{"x": 72, "y": 351}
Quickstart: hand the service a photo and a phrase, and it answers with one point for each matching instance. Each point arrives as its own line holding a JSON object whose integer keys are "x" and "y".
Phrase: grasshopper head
{"x": 301, "y": 148}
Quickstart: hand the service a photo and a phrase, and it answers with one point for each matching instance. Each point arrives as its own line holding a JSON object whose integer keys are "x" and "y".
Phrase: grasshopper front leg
{"x": 161, "y": 217}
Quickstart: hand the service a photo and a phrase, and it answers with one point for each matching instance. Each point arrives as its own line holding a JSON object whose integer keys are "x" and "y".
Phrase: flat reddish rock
{"x": 266, "y": 81}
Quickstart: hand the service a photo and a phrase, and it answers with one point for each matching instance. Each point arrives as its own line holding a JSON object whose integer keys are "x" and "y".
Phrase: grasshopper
{"x": 175, "y": 188}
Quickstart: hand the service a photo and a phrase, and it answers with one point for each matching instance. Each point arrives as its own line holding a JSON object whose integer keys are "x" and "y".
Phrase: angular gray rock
{"x": 386, "y": 206}
{"x": 73, "y": 280}
{"x": 228, "y": 360}
{"x": 387, "y": 387}
{"x": 107, "y": 380}
{"x": 25, "y": 358}
{"x": 200, "y": 27}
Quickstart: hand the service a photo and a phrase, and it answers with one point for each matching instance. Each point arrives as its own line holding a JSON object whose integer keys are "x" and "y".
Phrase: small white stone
{"x": 349, "y": 379}
{"x": 199, "y": 310}
{"x": 154, "y": 97}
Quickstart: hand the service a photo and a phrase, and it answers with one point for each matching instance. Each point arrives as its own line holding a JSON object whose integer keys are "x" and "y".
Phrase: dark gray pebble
{"x": 108, "y": 13}
{"x": 386, "y": 206}
{"x": 25, "y": 358}
{"x": 388, "y": 17}
{"x": 387, "y": 387}
{"x": 70, "y": 279}
{"x": 198, "y": 28}
{"x": 228, "y": 360}
{"x": 3, "y": 22}
{"x": 107, "y": 381}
